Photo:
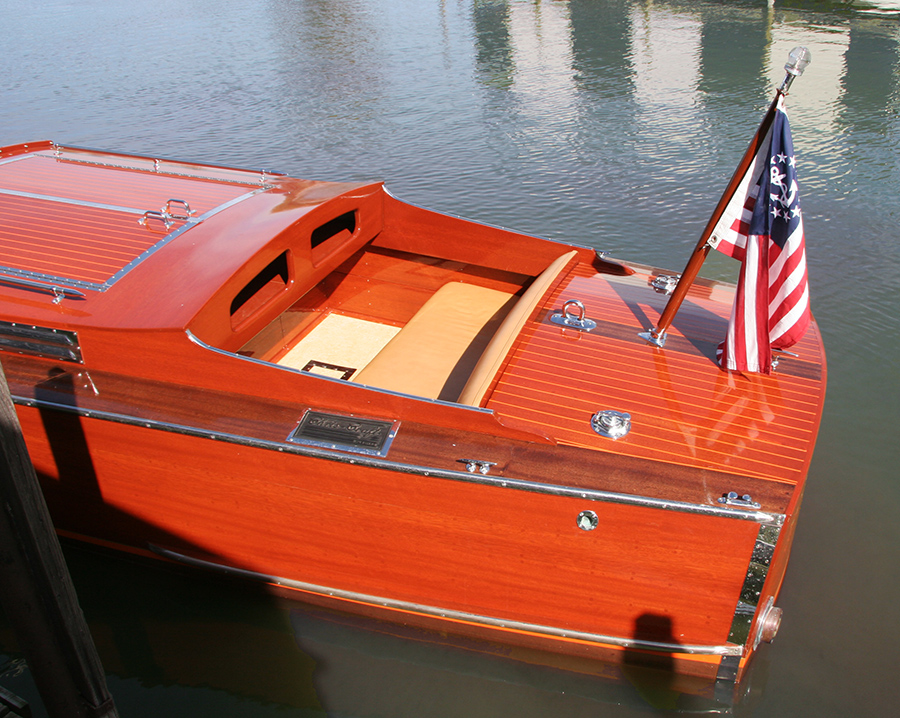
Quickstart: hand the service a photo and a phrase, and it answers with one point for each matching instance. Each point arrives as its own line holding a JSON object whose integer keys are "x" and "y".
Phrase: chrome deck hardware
{"x": 732, "y": 499}
{"x": 187, "y": 209}
{"x": 654, "y": 337}
{"x": 163, "y": 217}
{"x": 38, "y": 341}
{"x": 59, "y": 292}
{"x": 473, "y": 465}
{"x": 611, "y": 424}
{"x": 768, "y": 624}
{"x": 781, "y": 353}
{"x": 569, "y": 318}
{"x": 166, "y": 215}
{"x": 587, "y": 520}
{"x": 664, "y": 283}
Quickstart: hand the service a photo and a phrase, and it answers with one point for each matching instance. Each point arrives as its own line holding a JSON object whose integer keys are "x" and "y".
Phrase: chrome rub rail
{"x": 761, "y": 517}
{"x": 726, "y": 650}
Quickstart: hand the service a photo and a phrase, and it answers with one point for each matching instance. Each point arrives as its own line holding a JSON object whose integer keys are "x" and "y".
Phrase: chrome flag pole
{"x": 797, "y": 61}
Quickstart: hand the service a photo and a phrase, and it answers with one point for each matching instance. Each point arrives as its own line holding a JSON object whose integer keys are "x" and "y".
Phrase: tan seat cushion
{"x": 433, "y": 355}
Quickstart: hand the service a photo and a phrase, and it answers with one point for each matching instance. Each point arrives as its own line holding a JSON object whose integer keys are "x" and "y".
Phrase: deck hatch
{"x": 343, "y": 432}
{"x": 40, "y": 341}
{"x": 75, "y": 224}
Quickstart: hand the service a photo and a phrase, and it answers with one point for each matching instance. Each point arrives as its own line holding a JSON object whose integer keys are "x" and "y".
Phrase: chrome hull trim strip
{"x": 452, "y": 615}
{"x": 374, "y": 462}
{"x": 751, "y": 591}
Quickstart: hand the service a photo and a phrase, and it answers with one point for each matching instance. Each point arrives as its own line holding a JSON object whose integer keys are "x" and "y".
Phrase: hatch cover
{"x": 78, "y": 223}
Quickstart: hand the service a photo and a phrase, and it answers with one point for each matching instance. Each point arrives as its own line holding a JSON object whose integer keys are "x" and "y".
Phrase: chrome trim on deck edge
{"x": 766, "y": 519}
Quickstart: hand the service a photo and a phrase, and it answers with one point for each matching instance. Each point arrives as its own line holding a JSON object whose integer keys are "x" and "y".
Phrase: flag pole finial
{"x": 798, "y": 59}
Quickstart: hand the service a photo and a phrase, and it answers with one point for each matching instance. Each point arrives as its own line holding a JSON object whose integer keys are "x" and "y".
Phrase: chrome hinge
{"x": 664, "y": 283}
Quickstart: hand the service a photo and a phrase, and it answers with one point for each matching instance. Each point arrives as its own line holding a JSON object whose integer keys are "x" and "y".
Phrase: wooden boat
{"x": 397, "y": 413}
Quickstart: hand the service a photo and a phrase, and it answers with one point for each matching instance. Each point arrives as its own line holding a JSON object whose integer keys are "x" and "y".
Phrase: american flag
{"x": 762, "y": 227}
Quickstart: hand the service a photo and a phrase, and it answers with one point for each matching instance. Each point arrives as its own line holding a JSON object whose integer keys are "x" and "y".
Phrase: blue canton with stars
{"x": 776, "y": 213}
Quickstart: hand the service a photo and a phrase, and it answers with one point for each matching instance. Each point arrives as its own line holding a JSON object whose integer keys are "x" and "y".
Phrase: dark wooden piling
{"x": 36, "y": 590}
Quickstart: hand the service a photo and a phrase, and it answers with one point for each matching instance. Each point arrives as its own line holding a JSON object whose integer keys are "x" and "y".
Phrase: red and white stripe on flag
{"x": 762, "y": 227}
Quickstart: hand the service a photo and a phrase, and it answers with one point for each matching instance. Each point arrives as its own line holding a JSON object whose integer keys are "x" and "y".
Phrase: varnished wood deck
{"x": 78, "y": 222}
{"x": 684, "y": 409}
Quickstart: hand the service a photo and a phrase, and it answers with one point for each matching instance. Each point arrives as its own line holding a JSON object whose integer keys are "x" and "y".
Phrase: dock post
{"x": 36, "y": 589}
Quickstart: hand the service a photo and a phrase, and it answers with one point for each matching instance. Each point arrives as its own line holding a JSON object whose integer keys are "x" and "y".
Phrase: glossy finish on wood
{"x": 171, "y": 433}
{"x": 79, "y": 223}
{"x": 681, "y": 412}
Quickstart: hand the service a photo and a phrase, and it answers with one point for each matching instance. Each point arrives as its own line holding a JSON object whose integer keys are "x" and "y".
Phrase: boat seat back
{"x": 498, "y": 348}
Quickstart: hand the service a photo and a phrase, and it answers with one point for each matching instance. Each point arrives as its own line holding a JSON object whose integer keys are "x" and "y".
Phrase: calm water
{"x": 614, "y": 123}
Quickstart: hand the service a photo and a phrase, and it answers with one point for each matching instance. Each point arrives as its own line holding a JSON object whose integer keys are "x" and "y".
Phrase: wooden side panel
{"x": 413, "y": 229}
{"x": 482, "y": 549}
{"x": 429, "y": 272}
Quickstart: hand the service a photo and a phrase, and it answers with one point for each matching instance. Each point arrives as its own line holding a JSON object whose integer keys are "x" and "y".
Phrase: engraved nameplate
{"x": 345, "y": 433}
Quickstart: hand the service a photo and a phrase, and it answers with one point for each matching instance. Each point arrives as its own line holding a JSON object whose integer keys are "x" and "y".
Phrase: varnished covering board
{"x": 224, "y": 414}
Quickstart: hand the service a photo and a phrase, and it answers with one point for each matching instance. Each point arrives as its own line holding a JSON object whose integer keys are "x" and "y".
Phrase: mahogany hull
{"x": 463, "y": 556}
{"x": 185, "y": 395}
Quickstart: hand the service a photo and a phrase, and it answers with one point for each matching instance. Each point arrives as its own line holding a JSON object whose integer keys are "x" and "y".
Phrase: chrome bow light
{"x": 798, "y": 59}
